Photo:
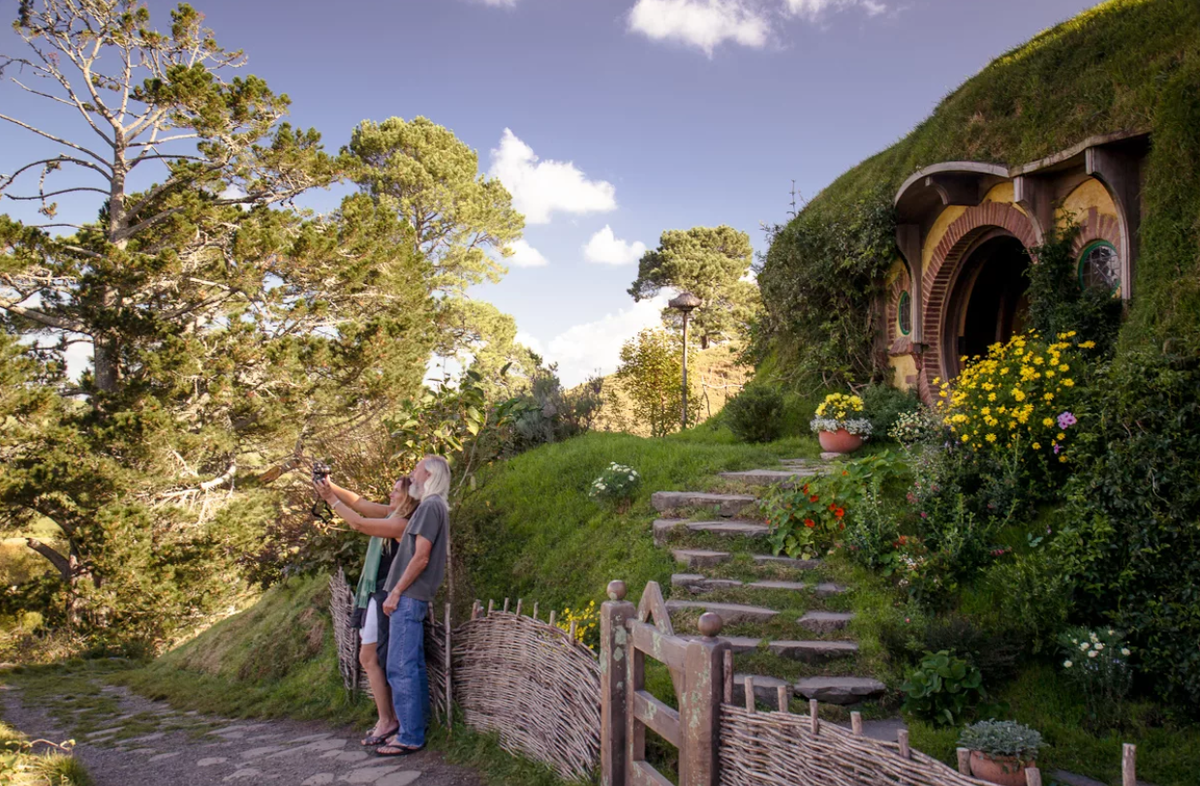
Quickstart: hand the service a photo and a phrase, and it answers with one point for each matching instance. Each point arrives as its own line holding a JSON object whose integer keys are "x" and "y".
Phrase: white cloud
{"x": 530, "y": 341}
{"x": 540, "y": 188}
{"x": 605, "y": 248}
{"x": 525, "y": 255}
{"x": 813, "y": 9}
{"x": 704, "y": 24}
{"x": 586, "y": 349}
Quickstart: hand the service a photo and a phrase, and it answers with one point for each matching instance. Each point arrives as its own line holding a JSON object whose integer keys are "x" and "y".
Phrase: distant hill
{"x": 715, "y": 375}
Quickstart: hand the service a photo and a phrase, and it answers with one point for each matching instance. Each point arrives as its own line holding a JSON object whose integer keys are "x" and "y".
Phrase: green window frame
{"x": 1084, "y": 258}
{"x": 904, "y": 313}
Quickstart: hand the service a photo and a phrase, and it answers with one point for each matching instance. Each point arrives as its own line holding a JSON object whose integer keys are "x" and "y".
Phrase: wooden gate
{"x": 697, "y": 666}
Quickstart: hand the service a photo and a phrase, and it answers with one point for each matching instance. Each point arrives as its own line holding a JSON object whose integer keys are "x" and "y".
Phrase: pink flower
{"x": 1065, "y": 420}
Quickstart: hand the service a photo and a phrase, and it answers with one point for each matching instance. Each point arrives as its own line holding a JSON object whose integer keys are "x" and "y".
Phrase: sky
{"x": 610, "y": 121}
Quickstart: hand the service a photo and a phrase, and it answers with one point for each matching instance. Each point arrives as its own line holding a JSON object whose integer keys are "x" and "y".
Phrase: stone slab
{"x": 786, "y": 478}
{"x": 840, "y": 690}
{"x": 731, "y": 613}
{"x": 795, "y": 586}
{"x": 766, "y": 689}
{"x": 828, "y": 589}
{"x": 825, "y": 621}
{"x": 727, "y": 505}
{"x": 885, "y": 730}
{"x": 696, "y": 583}
{"x": 732, "y": 529}
{"x": 700, "y": 558}
{"x": 813, "y": 651}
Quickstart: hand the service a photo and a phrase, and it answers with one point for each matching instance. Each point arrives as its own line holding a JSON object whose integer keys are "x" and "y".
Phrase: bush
{"x": 616, "y": 485}
{"x": 943, "y": 688}
{"x": 1097, "y": 661}
{"x": 884, "y": 404}
{"x": 1029, "y": 593}
{"x": 756, "y": 414}
{"x": 916, "y": 427}
{"x": 1130, "y": 536}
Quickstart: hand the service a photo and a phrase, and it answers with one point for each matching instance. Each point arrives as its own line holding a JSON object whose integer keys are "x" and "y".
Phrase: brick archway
{"x": 939, "y": 277}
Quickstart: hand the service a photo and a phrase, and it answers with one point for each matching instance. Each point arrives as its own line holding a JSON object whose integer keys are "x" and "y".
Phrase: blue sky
{"x": 635, "y": 115}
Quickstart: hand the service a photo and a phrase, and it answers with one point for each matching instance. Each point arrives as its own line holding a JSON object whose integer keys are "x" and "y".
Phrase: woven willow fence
{"x": 771, "y": 748}
{"x": 523, "y": 678}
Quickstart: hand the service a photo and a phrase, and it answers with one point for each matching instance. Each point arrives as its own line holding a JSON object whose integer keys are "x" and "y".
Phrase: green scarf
{"x": 370, "y": 573}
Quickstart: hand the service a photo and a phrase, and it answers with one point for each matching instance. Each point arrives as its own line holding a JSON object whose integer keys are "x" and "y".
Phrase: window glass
{"x": 1099, "y": 266}
{"x": 904, "y": 313}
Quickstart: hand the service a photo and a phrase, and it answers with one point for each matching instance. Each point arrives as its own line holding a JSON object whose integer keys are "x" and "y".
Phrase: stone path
{"x": 200, "y": 750}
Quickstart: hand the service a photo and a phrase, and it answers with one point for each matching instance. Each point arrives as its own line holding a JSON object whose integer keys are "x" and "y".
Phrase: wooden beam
{"x": 657, "y": 716}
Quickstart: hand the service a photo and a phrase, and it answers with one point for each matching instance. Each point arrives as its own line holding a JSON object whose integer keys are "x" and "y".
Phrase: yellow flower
{"x": 1048, "y": 397}
{"x": 966, "y": 438}
{"x": 1048, "y": 422}
{"x": 1062, "y": 458}
{"x": 991, "y": 396}
{"x": 1068, "y": 383}
{"x": 1064, "y": 367}
{"x": 1088, "y": 345}
{"x": 1037, "y": 446}
{"x": 1061, "y": 436}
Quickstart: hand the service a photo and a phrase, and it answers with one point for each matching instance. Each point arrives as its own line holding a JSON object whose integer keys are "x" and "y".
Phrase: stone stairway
{"x": 784, "y": 619}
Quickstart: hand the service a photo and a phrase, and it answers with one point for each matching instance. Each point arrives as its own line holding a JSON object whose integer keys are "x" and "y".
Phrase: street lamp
{"x": 685, "y": 303}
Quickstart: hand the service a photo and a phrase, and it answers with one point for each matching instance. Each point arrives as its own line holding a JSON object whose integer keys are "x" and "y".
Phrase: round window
{"x": 904, "y": 313}
{"x": 1099, "y": 266}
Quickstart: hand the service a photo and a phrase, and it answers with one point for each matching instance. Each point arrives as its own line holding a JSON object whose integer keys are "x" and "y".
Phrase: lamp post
{"x": 685, "y": 303}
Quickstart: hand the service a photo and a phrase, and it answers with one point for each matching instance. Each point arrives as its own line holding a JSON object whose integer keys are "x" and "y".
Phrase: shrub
{"x": 993, "y": 648}
{"x": 1030, "y": 594}
{"x": 1097, "y": 661}
{"x": 756, "y": 414}
{"x": 1129, "y": 536}
{"x": 1002, "y": 738}
{"x": 616, "y": 485}
{"x": 942, "y": 688}
{"x": 884, "y": 404}
{"x": 915, "y": 427}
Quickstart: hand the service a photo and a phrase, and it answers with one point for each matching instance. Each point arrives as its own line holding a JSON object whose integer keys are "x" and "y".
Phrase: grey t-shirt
{"x": 430, "y": 520}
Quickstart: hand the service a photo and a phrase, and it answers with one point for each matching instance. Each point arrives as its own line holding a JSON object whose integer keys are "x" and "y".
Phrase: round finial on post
{"x": 710, "y": 624}
{"x": 616, "y": 590}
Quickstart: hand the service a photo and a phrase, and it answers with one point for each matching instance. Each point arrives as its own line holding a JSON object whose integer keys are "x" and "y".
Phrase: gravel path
{"x": 190, "y": 749}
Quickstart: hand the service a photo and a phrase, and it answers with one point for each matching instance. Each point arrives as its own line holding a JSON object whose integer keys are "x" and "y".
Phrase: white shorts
{"x": 370, "y": 628}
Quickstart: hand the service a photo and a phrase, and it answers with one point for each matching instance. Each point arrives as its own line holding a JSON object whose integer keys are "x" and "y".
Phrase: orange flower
{"x": 810, "y": 523}
{"x": 814, "y": 498}
{"x": 839, "y": 513}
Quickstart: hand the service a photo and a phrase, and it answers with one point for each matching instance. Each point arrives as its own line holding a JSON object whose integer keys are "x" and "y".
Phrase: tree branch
{"x": 53, "y": 138}
{"x": 61, "y": 564}
{"x": 49, "y": 320}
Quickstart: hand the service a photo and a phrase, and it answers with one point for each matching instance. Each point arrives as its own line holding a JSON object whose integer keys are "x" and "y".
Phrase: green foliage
{"x": 1058, "y": 304}
{"x": 818, "y": 281}
{"x": 651, "y": 376}
{"x": 1129, "y": 535}
{"x": 617, "y": 485}
{"x": 805, "y": 521}
{"x": 756, "y": 414}
{"x": 1002, "y": 738}
{"x": 1098, "y": 663}
{"x": 916, "y": 427}
{"x": 1029, "y": 594}
{"x": 712, "y": 264}
{"x": 943, "y": 688}
{"x": 53, "y": 765}
{"x": 883, "y": 405}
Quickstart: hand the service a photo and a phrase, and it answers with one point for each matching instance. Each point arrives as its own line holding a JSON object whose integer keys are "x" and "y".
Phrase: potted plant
{"x": 1001, "y": 751}
{"x": 838, "y": 429}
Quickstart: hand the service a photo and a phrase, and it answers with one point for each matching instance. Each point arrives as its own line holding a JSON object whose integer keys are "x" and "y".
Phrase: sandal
{"x": 396, "y": 749}
{"x": 371, "y": 740}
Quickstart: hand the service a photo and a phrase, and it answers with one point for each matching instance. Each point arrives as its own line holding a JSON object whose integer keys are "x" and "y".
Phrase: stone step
{"x": 771, "y": 477}
{"x": 813, "y": 651}
{"x": 731, "y": 613}
{"x": 700, "y": 558}
{"x": 738, "y": 645}
{"x": 766, "y": 689}
{"x": 787, "y": 562}
{"x": 828, "y": 589}
{"x": 839, "y": 690}
{"x": 825, "y": 621}
{"x": 727, "y": 505}
{"x": 729, "y": 529}
{"x": 697, "y": 583}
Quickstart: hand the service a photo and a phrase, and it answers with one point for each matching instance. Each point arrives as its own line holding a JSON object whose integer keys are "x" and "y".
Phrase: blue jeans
{"x": 406, "y": 670}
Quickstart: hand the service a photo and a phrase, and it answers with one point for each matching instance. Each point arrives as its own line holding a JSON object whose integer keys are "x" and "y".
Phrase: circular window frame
{"x": 904, "y": 306}
{"x": 1082, "y": 261}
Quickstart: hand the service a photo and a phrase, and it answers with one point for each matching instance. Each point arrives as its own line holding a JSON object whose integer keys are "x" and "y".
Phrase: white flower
{"x": 1084, "y": 646}
{"x": 1067, "y": 664}
{"x": 1094, "y": 637}
{"x": 1093, "y": 654}
{"x": 1110, "y": 632}
{"x": 1125, "y": 651}
{"x": 1099, "y": 647}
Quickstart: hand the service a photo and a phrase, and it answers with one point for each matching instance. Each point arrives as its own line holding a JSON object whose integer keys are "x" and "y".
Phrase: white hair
{"x": 438, "y": 482}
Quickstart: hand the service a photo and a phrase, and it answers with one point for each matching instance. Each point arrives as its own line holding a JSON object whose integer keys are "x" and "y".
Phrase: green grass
{"x": 531, "y": 531}
{"x": 21, "y": 767}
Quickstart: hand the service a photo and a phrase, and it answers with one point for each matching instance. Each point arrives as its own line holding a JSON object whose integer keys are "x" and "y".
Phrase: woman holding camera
{"x": 385, "y": 524}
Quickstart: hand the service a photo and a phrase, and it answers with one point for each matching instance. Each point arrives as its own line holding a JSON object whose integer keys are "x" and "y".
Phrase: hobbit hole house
{"x": 964, "y": 231}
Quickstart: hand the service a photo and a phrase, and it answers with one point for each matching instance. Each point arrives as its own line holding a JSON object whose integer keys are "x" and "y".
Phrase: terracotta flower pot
{"x": 840, "y": 441}
{"x": 1002, "y": 770}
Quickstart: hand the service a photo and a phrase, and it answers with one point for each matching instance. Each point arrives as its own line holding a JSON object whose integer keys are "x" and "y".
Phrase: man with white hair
{"x": 416, "y": 573}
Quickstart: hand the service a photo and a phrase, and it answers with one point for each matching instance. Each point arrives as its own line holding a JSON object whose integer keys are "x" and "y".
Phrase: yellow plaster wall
{"x": 897, "y": 269}
{"x": 903, "y": 367}
{"x": 937, "y": 232}
{"x": 1089, "y": 194}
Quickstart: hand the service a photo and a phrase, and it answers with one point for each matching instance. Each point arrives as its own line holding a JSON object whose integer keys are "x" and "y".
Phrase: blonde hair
{"x": 407, "y": 507}
{"x": 438, "y": 482}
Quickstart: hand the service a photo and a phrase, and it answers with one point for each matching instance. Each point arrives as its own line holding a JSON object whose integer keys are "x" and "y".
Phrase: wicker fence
{"x": 518, "y": 676}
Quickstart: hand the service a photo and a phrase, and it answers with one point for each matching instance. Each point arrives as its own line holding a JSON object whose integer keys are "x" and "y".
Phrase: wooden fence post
{"x": 700, "y": 705}
{"x": 614, "y": 690}
{"x": 1128, "y": 765}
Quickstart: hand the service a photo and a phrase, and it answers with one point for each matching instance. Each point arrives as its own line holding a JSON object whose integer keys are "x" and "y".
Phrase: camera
{"x": 321, "y": 471}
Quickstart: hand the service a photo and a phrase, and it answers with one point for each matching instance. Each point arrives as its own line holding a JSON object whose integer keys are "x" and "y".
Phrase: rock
{"x": 839, "y": 690}
{"x": 242, "y": 774}
{"x": 696, "y": 583}
{"x": 827, "y": 589}
{"x": 727, "y": 505}
{"x": 825, "y": 621}
{"x": 162, "y": 756}
{"x": 700, "y": 558}
{"x": 211, "y": 760}
{"x": 402, "y": 778}
{"x": 771, "y": 477}
{"x": 795, "y": 586}
{"x": 369, "y": 774}
{"x": 320, "y": 779}
{"x": 788, "y": 562}
{"x": 813, "y": 651}
{"x": 766, "y": 689}
{"x": 731, "y": 613}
